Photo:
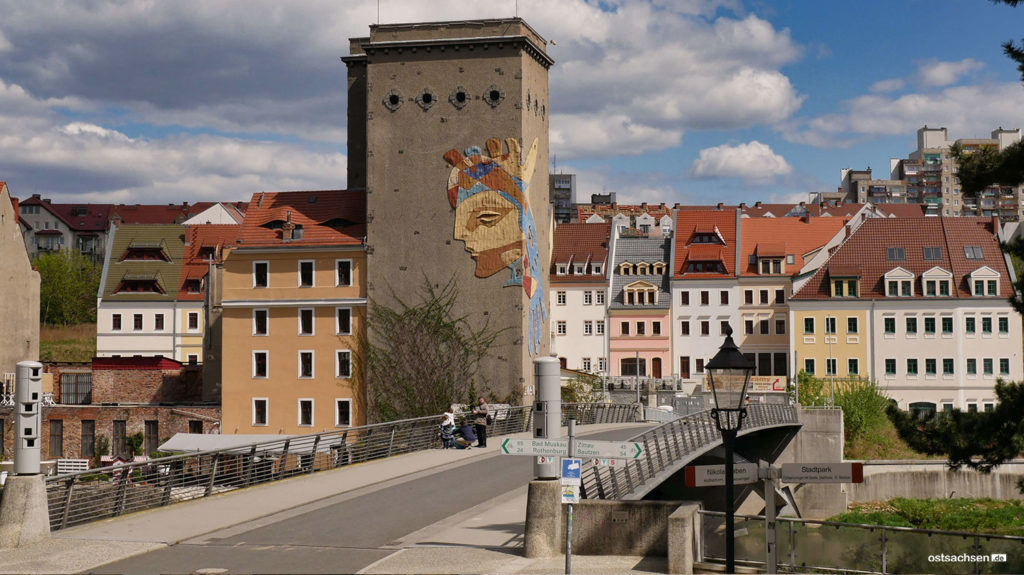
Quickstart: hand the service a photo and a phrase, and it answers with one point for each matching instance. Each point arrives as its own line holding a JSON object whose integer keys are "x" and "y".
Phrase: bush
{"x": 863, "y": 407}
{"x": 811, "y": 390}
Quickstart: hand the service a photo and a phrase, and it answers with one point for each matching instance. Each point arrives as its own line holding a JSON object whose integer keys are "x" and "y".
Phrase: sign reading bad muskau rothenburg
{"x": 629, "y": 450}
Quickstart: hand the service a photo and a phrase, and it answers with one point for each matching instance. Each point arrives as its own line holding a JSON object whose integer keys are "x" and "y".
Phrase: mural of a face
{"x": 493, "y": 218}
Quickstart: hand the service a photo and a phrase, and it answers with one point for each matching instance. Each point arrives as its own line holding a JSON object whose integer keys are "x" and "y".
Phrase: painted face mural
{"x": 493, "y": 218}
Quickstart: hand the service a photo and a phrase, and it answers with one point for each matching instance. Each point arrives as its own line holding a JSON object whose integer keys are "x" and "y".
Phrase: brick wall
{"x": 170, "y": 420}
{"x": 146, "y": 386}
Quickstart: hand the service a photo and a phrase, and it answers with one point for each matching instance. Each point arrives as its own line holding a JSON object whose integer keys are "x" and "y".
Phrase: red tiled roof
{"x": 327, "y": 217}
{"x": 87, "y": 217}
{"x": 705, "y": 252}
{"x": 902, "y": 210}
{"x": 784, "y": 236}
{"x": 580, "y": 243}
{"x": 194, "y": 266}
{"x": 608, "y": 211}
{"x": 689, "y": 222}
{"x": 866, "y": 248}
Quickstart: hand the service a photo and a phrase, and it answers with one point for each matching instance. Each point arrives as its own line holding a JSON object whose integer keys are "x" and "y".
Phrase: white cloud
{"x": 599, "y": 135}
{"x": 750, "y": 161}
{"x": 966, "y": 111}
{"x": 933, "y": 73}
{"x": 890, "y": 85}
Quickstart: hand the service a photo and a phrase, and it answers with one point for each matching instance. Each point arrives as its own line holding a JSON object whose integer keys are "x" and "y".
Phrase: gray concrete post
{"x": 543, "y": 535}
{"x": 683, "y": 538}
{"x": 547, "y": 409}
{"x": 28, "y": 397}
{"x": 24, "y": 517}
{"x": 544, "y": 498}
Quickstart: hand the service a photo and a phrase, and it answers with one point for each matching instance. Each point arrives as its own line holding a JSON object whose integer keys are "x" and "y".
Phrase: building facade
{"x": 19, "y": 284}
{"x": 579, "y": 296}
{"x": 451, "y": 118}
{"x": 293, "y": 302}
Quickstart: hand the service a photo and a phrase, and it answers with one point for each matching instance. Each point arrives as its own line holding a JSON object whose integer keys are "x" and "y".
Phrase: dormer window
{"x": 208, "y": 253}
{"x": 597, "y": 269}
{"x": 626, "y": 269}
{"x": 659, "y": 268}
{"x": 194, "y": 286}
{"x": 139, "y": 283}
{"x": 899, "y": 282}
{"x": 563, "y": 269}
{"x": 771, "y": 266}
{"x": 580, "y": 269}
{"x": 984, "y": 282}
{"x": 641, "y": 269}
{"x": 145, "y": 251}
{"x": 937, "y": 282}
{"x": 844, "y": 283}
{"x": 640, "y": 293}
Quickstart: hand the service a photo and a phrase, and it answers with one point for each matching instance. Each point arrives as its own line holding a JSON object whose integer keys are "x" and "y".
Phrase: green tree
{"x": 810, "y": 389}
{"x": 979, "y": 440}
{"x": 69, "y": 283}
{"x": 582, "y": 389}
{"x": 418, "y": 358}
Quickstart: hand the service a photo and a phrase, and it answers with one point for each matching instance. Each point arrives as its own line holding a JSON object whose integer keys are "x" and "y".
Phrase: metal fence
{"x": 82, "y": 497}
{"x": 804, "y": 545}
{"x": 667, "y": 444}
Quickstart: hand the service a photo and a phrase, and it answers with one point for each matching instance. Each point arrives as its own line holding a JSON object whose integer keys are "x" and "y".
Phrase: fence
{"x": 804, "y": 545}
{"x": 81, "y": 497}
{"x": 665, "y": 445}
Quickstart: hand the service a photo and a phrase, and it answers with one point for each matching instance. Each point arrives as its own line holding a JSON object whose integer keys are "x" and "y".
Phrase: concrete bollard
{"x": 24, "y": 517}
{"x": 543, "y": 519}
{"x": 683, "y": 538}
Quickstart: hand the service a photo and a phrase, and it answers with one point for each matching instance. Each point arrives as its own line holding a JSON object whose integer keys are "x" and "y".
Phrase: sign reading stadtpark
{"x": 714, "y": 475}
{"x": 571, "y": 468}
{"x": 630, "y": 450}
{"x": 823, "y": 472}
{"x": 554, "y": 447}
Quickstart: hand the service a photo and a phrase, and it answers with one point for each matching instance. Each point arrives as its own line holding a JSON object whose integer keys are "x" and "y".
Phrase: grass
{"x": 1004, "y": 517}
{"x": 73, "y": 343}
{"x": 880, "y": 442}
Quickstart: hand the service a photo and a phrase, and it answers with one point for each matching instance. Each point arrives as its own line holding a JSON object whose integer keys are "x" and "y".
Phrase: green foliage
{"x": 419, "y": 358}
{"x": 68, "y": 288}
{"x": 974, "y": 515}
{"x": 810, "y": 389}
{"x": 980, "y": 440}
{"x": 863, "y": 406}
{"x": 583, "y": 388}
{"x": 100, "y": 448}
{"x": 133, "y": 443}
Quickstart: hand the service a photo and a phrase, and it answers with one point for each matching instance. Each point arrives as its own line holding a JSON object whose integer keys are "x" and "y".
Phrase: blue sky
{"x": 689, "y": 101}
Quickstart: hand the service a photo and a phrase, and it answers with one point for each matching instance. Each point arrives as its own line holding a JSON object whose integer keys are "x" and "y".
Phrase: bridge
{"x": 274, "y": 496}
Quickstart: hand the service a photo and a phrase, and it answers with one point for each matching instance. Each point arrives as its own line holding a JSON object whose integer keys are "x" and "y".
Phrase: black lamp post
{"x": 729, "y": 372}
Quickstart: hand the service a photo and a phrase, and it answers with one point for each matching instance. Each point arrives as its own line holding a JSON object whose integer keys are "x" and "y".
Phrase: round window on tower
{"x": 393, "y": 100}
{"x": 459, "y": 97}
{"x": 426, "y": 98}
{"x": 494, "y": 95}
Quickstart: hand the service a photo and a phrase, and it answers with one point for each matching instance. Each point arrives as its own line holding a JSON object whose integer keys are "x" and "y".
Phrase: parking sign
{"x": 571, "y": 467}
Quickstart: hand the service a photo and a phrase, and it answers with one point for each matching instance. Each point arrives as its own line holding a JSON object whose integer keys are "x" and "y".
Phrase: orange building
{"x": 294, "y": 300}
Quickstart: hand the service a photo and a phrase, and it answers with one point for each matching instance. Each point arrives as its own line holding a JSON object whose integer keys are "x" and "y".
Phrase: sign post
{"x": 571, "y": 468}
{"x": 771, "y": 551}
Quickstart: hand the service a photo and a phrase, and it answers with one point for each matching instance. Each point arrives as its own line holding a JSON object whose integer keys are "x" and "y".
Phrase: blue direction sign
{"x": 571, "y": 467}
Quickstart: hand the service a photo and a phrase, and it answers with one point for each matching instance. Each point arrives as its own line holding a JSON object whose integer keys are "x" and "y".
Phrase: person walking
{"x": 480, "y": 421}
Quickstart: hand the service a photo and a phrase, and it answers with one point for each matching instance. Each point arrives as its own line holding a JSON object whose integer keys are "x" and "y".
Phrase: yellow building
{"x": 294, "y": 300}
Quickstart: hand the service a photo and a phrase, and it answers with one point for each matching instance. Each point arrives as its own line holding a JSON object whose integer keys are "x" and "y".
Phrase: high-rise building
{"x": 448, "y": 133}
{"x": 563, "y": 195}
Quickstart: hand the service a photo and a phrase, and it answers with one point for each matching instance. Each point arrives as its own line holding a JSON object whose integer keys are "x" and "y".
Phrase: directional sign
{"x": 553, "y": 447}
{"x": 570, "y": 494}
{"x": 571, "y": 467}
{"x": 607, "y": 462}
{"x": 823, "y": 472}
{"x": 608, "y": 449}
{"x": 712, "y": 475}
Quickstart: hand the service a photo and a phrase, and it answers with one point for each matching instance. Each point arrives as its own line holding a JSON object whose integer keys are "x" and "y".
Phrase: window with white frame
{"x": 305, "y": 364}
{"x": 600, "y": 297}
{"x": 306, "y": 275}
{"x": 562, "y": 270}
{"x": 260, "y": 274}
{"x": 306, "y": 412}
{"x": 343, "y": 321}
{"x": 580, "y": 269}
{"x": 260, "y": 362}
{"x": 193, "y": 321}
{"x": 599, "y": 327}
{"x": 597, "y": 269}
{"x": 343, "y": 363}
{"x": 260, "y": 411}
{"x": 342, "y": 412}
{"x": 306, "y": 321}
{"x": 560, "y": 327}
{"x": 343, "y": 274}
{"x": 586, "y": 364}
{"x": 560, "y": 298}
{"x": 830, "y": 366}
{"x": 809, "y": 365}
{"x": 602, "y": 364}
{"x": 115, "y": 322}
{"x": 588, "y": 297}
{"x": 588, "y": 327}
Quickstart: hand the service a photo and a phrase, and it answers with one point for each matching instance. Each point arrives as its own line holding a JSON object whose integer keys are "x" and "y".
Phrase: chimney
{"x": 995, "y": 225}
{"x": 743, "y": 205}
{"x": 803, "y": 204}
{"x": 643, "y": 206}
{"x": 46, "y": 201}
{"x": 719, "y": 206}
{"x": 288, "y": 229}
{"x": 36, "y": 196}
{"x": 675, "y": 206}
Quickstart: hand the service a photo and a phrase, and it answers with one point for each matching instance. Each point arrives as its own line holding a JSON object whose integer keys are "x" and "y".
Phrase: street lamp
{"x": 729, "y": 372}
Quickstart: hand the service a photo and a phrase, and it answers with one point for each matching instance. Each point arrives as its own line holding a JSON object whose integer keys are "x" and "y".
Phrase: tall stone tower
{"x": 448, "y": 133}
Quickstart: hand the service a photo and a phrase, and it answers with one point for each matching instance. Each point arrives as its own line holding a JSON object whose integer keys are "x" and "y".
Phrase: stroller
{"x": 447, "y": 435}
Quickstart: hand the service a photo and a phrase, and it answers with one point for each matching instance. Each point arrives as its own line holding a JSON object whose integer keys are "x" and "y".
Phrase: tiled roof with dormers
{"x": 196, "y": 265}
{"x": 580, "y": 243}
{"x": 649, "y": 250}
{"x": 166, "y": 274}
{"x": 326, "y": 217}
{"x": 692, "y": 222}
{"x": 865, "y": 254}
{"x": 799, "y": 237}
{"x": 609, "y": 211}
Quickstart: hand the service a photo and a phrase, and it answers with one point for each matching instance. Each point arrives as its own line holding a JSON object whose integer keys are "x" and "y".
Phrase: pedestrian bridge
{"x": 85, "y": 496}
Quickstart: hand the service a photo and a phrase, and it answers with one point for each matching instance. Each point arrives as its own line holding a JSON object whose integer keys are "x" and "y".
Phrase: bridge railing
{"x": 664, "y": 445}
{"x": 81, "y": 497}
{"x": 805, "y": 545}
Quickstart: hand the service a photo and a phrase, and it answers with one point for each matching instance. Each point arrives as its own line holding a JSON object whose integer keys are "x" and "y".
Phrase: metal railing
{"x": 665, "y": 445}
{"x": 805, "y": 545}
{"x": 82, "y": 497}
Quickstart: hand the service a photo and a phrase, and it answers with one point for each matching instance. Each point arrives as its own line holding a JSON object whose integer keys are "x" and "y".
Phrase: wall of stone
{"x": 146, "y": 386}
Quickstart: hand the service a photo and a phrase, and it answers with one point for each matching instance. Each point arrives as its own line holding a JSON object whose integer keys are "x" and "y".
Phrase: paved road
{"x": 347, "y": 532}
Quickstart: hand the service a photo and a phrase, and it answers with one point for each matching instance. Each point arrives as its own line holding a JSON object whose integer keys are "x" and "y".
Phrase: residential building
{"x": 579, "y": 296}
{"x": 19, "y": 284}
{"x": 204, "y": 250}
{"x": 293, "y": 299}
{"x": 642, "y": 216}
{"x": 704, "y": 293}
{"x": 918, "y": 305}
{"x": 772, "y": 252}
{"x": 640, "y": 341}
{"x": 137, "y": 312}
{"x": 448, "y": 135}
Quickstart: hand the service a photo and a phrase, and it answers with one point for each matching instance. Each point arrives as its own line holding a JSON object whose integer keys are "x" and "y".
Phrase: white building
{"x": 579, "y": 296}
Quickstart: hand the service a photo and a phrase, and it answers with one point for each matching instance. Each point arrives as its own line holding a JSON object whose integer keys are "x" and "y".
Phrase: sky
{"x": 689, "y": 101}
